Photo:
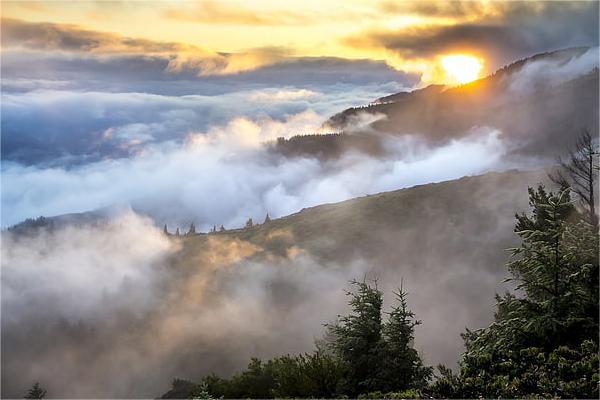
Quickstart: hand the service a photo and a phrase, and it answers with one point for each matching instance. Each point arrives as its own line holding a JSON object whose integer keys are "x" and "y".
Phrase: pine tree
{"x": 358, "y": 339}
{"x": 543, "y": 342}
{"x": 165, "y": 231}
{"x": 202, "y": 393}
{"x": 36, "y": 392}
{"x": 267, "y": 219}
{"x": 537, "y": 267}
{"x": 249, "y": 223}
{"x": 403, "y": 368}
{"x": 553, "y": 267}
{"x": 192, "y": 230}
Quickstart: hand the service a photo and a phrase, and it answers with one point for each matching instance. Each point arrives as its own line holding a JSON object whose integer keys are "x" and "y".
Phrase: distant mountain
{"x": 540, "y": 104}
{"x": 87, "y": 218}
{"x": 408, "y": 96}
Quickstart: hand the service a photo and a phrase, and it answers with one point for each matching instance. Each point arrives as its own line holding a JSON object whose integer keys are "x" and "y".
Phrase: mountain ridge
{"x": 533, "y": 120}
{"x": 446, "y": 239}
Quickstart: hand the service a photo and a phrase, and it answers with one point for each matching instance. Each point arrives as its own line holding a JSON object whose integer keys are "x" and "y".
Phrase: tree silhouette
{"x": 249, "y": 223}
{"x": 358, "y": 338}
{"x": 165, "y": 231}
{"x": 267, "y": 219}
{"x": 579, "y": 173}
{"x": 192, "y": 230}
{"x": 36, "y": 392}
{"x": 402, "y": 366}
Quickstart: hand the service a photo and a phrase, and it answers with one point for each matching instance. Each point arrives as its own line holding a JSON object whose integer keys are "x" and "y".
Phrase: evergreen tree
{"x": 201, "y": 393}
{"x": 177, "y": 232}
{"x": 222, "y": 229}
{"x": 267, "y": 219}
{"x": 358, "y": 357}
{"x": 36, "y": 392}
{"x": 358, "y": 339}
{"x": 249, "y": 223}
{"x": 165, "y": 231}
{"x": 403, "y": 368}
{"x": 192, "y": 230}
{"x": 557, "y": 261}
{"x": 543, "y": 342}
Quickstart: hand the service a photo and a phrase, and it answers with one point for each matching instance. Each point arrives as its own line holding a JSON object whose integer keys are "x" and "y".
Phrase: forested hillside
{"x": 533, "y": 111}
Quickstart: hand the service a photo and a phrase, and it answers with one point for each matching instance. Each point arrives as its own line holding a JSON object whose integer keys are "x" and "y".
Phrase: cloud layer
{"x": 225, "y": 175}
{"x": 62, "y": 127}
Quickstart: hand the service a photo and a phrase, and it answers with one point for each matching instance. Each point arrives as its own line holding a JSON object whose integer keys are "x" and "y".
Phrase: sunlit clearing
{"x": 460, "y": 68}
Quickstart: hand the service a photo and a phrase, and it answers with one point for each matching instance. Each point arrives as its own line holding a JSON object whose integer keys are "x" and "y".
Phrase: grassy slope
{"x": 446, "y": 240}
{"x": 471, "y": 206}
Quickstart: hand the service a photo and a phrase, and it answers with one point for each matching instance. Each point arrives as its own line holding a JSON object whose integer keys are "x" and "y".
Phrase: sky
{"x": 228, "y": 37}
{"x": 91, "y": 89}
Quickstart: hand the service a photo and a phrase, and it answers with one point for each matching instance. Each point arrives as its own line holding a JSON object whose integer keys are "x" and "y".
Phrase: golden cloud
{"x": 228, "y": 63}
{"x": 69, "y": 37}
{"x": 211, "y": 12}
{"x": 181, "y": 56}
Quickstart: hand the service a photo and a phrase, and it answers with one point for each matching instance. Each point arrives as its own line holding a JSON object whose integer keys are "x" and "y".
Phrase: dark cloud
{"x": 324, "y": 70}
{"x": 514, "y": 30}
{"x": 436, "y": 8}
{"x": 18, "y": 34}
{"x": 50, "y": 36}
{"x": 426, "y": 41}
{"x": 150, "y": 74}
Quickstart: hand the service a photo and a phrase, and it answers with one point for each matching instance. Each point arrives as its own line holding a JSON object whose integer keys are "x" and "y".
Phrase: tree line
{"x": 360, "y": 353}
{"x": 192, "y": 229}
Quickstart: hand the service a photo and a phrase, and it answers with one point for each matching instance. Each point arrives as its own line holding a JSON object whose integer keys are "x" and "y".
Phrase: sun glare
{"x": 460, "y": 68}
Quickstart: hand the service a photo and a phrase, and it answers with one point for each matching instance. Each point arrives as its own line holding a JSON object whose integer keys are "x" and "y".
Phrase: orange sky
{"x": 262, "y": 32}
{"x": 296, "y": 28}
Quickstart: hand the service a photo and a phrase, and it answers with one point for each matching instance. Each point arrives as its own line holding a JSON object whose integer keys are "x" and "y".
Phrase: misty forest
{"x": 543, "y": 341}
{"x": 344, "y": 199}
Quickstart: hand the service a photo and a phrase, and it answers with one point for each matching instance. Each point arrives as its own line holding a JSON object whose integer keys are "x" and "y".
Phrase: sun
{"x": 461, "y": 68}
